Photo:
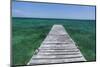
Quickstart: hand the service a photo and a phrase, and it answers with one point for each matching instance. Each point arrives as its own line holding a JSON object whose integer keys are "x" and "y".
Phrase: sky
{"x": 45, "y": 10}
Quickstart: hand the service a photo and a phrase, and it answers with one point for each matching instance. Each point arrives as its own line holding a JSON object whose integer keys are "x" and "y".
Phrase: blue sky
{"x": 44, "y": 10}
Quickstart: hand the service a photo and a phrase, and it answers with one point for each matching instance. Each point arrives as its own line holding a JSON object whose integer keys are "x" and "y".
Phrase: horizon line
{"x": 52, "y": 18}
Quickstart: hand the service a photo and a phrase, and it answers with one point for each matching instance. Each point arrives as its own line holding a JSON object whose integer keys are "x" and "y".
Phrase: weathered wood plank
{"x": 57, "y": 47}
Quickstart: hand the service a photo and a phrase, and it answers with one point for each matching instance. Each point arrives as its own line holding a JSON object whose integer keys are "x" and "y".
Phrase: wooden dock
{"x": 58, "y": 47}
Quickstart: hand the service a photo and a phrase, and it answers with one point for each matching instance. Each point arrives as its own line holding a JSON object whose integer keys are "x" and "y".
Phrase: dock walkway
{"x": 57, "y": 47}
